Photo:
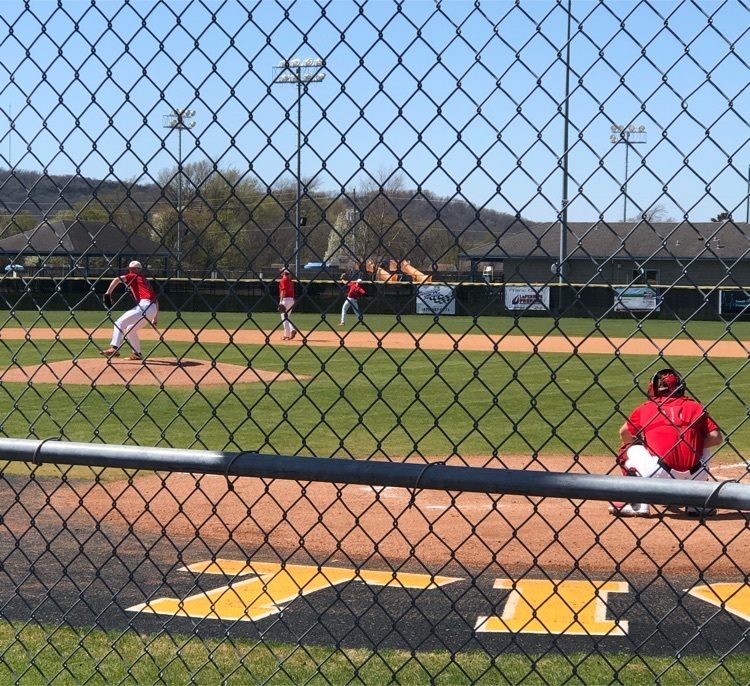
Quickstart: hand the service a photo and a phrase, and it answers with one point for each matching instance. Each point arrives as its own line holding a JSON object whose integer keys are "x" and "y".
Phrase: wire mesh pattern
{"x": 544, "y": 203}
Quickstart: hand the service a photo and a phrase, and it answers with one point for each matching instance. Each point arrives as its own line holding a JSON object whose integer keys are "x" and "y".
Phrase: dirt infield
{"x": 599, "y": 344}
{"x": 508, "y": 534}
{"x": 511, "y": 533}
{"x": 154, "y": 372}
{"x": 190, "y": 372}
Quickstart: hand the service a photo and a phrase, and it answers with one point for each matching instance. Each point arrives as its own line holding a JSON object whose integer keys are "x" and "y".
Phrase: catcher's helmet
{"x": 666, "y": 383}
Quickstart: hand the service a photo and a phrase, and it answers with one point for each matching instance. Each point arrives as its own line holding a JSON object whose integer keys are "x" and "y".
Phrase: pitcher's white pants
{"x": 128, "y": 325}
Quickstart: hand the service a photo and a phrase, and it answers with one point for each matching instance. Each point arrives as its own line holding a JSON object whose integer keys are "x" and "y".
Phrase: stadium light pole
{"x": 10, "y": 135}
{"x": 300, "y": 73}
{"x": 566, "y": 142}
{"x": 179, "y": 120}
{"x": 629, "y": 135}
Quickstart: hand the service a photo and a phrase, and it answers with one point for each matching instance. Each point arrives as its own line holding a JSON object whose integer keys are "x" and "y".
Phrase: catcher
{"x": 668, "y": 436}
{"x": 145, "y": 310}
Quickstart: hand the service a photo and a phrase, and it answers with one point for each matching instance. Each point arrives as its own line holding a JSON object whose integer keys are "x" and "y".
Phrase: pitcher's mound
{"x": 155, "y": 371}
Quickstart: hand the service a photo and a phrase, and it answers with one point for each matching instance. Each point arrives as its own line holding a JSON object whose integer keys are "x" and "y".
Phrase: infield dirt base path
{"x": 168, "y": 371}
{"x": 364, "y": 523}
{"x": 682, "y": 346}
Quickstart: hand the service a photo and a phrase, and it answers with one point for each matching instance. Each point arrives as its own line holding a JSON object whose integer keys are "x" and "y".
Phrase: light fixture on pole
{"x": 562, "y": 266}
{"x": 300, "y": 73}
{"x": 630, "y": 135}
{"x": 179, "y": 120}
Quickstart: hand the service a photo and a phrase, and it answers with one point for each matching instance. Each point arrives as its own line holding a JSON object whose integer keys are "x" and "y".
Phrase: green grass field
{"x": 175, "y": 660}
{"x": 366, "y": 403}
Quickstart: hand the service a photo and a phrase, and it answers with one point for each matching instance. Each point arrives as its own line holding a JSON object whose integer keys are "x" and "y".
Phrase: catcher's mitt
{"x": 107, "y": 298}
{"x": 281, "y": 309}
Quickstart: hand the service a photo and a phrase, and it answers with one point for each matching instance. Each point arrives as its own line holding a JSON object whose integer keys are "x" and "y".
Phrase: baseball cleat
{"x": 294, "y": 332}
{"x": 136, "y": 356}
{"x": 285, "y": 338}
{"x": 628, "y": 510}
{"x": 700, "y": 511}
{"x": 110, "y": 352}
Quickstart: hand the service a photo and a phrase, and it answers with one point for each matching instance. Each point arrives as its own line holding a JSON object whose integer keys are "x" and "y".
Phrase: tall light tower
{"x": 630, "y": 135}
{"x": 300, "y": 73}
{"x": 179, "y": 120}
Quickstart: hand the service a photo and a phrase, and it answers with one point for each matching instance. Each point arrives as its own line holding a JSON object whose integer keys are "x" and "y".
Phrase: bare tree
{"x": 722, "y": 217}
{"x": 654, "y": 214}
{"x": 379, "y": 231}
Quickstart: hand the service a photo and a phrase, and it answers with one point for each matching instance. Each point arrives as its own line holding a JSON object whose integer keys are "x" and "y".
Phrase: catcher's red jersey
{"x": 673, "y": 429}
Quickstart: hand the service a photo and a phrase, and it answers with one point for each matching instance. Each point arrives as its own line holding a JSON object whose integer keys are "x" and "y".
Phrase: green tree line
{"x": 231, "y": 221}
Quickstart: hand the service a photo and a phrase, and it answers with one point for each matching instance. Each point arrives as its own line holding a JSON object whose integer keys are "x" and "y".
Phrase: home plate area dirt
{"x": 153, "y": 372}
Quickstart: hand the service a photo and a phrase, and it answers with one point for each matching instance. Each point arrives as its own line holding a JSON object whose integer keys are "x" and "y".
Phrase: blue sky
{"x": 464, "y": 99}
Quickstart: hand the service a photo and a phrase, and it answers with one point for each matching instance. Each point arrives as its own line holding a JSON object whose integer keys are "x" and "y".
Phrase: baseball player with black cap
{"x": 667, "y": 437}
{"x": 146, "y": 309}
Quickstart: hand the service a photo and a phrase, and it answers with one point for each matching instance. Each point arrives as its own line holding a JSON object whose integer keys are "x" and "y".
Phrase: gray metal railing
{"x": 432, "y": 476}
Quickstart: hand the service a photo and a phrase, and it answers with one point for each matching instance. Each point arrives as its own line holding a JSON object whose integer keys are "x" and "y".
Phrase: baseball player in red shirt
{"x": 673, "y": 434}
{"x": 286, "y": 303}
{"x": 146, "y": 309}
{"x": 354, "y": 292}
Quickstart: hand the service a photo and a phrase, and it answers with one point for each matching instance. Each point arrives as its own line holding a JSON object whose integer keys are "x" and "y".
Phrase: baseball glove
{"x": 281, "y": 309}
{"x": 107, "y": 298}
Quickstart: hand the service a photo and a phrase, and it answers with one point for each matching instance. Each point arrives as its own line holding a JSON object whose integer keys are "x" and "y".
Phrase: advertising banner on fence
{"x": 637, "y": 299}
{"x": 734, "y": 302}
{"x": 526, "y": 298}
{"x": 433, "y": 299}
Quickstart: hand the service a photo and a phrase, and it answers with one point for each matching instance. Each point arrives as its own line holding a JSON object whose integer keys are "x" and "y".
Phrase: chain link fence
{"x": 542, "y": 203}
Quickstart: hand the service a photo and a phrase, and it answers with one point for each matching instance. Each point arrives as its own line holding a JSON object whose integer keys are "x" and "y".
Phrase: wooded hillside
{"x": 232, "y": 221}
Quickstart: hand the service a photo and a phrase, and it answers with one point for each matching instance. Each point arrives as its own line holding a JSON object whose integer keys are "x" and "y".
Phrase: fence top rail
{"x": 431, "y": 476}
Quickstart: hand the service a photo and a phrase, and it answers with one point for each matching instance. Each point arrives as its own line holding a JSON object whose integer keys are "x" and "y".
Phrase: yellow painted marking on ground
{"x": 239, "y": 568}
{"x": 733, "y": 597}
{"x": 231, "y": 567}
{"x": 542, "y": 606}
{"x": 272, "y": 587}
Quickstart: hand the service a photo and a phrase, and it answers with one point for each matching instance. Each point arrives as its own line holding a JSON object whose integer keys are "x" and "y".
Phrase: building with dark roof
{"x": 83, "y": 243}
{"x": 620, "y": 253}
